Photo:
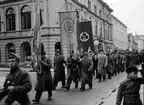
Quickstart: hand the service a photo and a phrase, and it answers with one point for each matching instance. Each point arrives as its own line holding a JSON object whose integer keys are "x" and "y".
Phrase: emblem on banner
{"x": 84, "y": 36}
{"x": 68, "y": 26}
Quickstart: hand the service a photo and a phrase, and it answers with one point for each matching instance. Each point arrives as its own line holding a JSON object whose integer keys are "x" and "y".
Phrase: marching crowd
{"x": 83, "y": 67}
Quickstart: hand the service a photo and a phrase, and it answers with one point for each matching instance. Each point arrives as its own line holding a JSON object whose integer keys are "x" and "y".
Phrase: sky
{"x": 129, "y": 12}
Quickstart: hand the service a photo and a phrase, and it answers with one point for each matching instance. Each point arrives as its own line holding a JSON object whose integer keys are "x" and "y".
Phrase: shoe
{"x": 66, "y": 87}
{"x": 35, "y": 101}
{"x": 63, "y": 87}
{"x": 49, "y": 98}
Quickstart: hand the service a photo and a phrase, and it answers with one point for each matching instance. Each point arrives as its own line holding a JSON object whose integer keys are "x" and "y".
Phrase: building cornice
{"x": 119, "y": 21}
{"x": 83, "y": 6}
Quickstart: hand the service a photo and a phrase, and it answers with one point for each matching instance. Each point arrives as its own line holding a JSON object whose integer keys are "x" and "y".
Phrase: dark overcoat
{"x": 86, "y": 67}
{"x": 59, "y": 69}
{"x": 44, "y": 82}
{"x": 72, "y": 69}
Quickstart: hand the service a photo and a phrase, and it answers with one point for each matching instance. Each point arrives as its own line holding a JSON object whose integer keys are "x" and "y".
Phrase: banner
{"x": 37, "y": 31}
{"x": 68, "y": 31}
{"x": 84, "y": 36}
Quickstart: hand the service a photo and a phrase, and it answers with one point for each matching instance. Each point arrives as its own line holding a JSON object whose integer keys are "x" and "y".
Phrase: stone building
{"x": 132, "y": 45}
{"x": 120, "y": 37}
{"x": 139, "y": 39}
{"x": 16, "y": 21}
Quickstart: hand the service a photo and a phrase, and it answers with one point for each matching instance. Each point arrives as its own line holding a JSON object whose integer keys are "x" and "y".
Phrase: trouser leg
{"x": 49, "y": 93}
{"x": 63, "y": 83}
{"x": 38, "y": 95}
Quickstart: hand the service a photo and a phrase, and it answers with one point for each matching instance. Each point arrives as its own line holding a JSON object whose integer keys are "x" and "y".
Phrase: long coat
{"x": 72, "y": 69}
{"x": 44, "y": 82}
{"x": 86, "y": 67}
{"x": 109, "y": 65}
{"x": 102, "y": 63}
{"x": 59, "y": 69}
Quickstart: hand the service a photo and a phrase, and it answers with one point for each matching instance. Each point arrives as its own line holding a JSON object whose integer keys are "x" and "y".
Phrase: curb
{"x": 104, "y": 97}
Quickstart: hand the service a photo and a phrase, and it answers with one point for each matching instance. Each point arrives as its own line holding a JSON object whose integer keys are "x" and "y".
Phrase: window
{"x": 100, "y": 30}
{"x": 25, "y": 18}
{"x": 100, "y": 13}
{"x": 10, "y": 19}
{"x": 96, "y": 28}
{"x": 95, "y": 9}
{"x": 89, "y": 4}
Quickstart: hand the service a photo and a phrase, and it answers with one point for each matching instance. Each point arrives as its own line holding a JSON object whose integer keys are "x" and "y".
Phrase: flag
{"x": 37, "y": 30}
{"x": 84, "y": 36}
{"x": 68, "y": 30}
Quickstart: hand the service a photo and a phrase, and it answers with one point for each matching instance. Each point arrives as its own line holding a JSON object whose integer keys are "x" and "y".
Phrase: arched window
{"x": 10, "y": 19}
{"x": 25, "y": 18}
{"x": 10, "y": 48}
{"x": 25, "y": 52}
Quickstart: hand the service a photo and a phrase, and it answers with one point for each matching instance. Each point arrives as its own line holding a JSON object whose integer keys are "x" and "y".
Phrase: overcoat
{"x": 59, "y": 69}
{"x": 102, "y": 63}
{"x": 44, "y": 82}
{"x": 86, "y": 67}
{"x": 72, "y": 69}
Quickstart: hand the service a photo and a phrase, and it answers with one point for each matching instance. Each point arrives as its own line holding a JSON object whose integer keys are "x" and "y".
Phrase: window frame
{"x": 10, "y": 20}
{"x": 25, "y": 18}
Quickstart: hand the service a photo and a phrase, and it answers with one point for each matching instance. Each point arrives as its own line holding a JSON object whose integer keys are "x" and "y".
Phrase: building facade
{"x": 120, "y": 37}
{"x": 17, "y": 19}
{"x": 139, "y": 39}
{"x": 132, "y": 45}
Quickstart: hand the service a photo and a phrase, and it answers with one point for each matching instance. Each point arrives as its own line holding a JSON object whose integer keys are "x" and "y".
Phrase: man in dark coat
{"x": 86, "y": 67}
{"x": 44, "y": 78}
{"x": 72, "y": 71}
{"x": 129, "y": 88}
{"x": 59, "y": 69}
{"x": 109, "y": 66}
{"x": 95, "y": 63}
{"x": 17, "y": 83}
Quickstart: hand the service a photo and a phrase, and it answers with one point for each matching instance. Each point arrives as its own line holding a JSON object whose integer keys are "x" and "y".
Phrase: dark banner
{"x": 84, "y": 36}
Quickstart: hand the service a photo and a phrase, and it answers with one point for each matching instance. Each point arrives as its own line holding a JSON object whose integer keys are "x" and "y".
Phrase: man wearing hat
{"x": 129, "y": 89}
{"x": 59, "y": 69}
{"x": 17, "y": 83}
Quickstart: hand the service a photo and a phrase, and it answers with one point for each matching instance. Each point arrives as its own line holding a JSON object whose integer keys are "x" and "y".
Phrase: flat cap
{"x": 14, "y": 56}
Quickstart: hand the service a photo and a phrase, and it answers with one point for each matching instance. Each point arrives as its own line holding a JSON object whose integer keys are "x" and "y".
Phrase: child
{"x": 129, "y": 88}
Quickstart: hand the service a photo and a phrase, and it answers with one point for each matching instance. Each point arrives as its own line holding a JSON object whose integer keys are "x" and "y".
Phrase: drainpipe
{"x": 104, "y": 25}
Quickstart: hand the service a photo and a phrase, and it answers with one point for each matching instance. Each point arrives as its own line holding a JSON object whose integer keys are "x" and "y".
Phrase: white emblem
{"x": 84, "y": 36}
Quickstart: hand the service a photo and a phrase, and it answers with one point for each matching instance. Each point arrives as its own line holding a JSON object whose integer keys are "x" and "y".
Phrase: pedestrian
{"x": 59, "y": 69}
{"x": 72, "y": 71}
{"x": 17, "y": 83}
{"x": 95, "y": 62}
{"x": 109, "y": 66}
{"x": 129, "y": 89}
{"x": 44, "y": 78}
{"x": 102, "y": 64}
{"x": 86, "y": 69}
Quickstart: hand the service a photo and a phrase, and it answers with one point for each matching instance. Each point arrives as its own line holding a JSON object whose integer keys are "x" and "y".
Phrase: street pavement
{"x": 103, "y": 93}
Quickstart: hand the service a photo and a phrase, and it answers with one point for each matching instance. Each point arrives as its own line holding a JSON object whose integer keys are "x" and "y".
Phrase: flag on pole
{"x": 37, "y": 31}
{"x": 84, "y": 36}
{"x": 68, "y": 30}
